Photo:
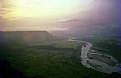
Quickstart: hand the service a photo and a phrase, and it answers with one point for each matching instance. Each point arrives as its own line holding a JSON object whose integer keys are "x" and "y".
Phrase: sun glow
{"x": 39, "y": 14}
{"x": 44, "y": 8}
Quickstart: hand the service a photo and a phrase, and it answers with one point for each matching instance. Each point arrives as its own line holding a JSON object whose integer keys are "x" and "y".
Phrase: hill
{"x": 25, "y": 37}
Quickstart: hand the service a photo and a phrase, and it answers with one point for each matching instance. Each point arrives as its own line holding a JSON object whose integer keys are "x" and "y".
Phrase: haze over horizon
{"x": 60, "y": 38}
{"x": 57, "y": 15}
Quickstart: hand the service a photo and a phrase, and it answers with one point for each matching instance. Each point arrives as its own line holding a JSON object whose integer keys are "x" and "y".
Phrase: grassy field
{"x": 59, "y": 44}
{"x": 48, "y": 63}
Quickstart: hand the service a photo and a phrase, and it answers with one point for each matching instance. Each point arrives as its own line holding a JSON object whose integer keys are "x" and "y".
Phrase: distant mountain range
{"x": 102, "y": 30}
{"x": 24, "y": 37}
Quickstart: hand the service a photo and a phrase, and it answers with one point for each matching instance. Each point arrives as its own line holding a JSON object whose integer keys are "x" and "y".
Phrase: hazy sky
{"x": 56, "y": 15}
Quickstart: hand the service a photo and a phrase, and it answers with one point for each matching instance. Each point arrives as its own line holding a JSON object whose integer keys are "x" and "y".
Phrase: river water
{"x": 96, "y": 64}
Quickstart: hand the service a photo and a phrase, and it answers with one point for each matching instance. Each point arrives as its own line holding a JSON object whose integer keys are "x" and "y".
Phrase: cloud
{"x": 102, "y": 13}
{"x": 5, "y": 6}
{"x": 99, "y": 12}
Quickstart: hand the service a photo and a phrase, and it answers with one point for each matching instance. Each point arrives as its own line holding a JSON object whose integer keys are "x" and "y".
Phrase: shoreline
{"x": 96, "y": 60}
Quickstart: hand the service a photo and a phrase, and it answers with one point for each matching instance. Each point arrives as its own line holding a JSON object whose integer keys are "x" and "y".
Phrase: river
{"x": 100, "y": 62}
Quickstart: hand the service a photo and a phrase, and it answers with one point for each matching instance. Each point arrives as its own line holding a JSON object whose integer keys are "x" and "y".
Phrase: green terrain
{"x": 48, "y": 59}
{"x": 108, "y": 45}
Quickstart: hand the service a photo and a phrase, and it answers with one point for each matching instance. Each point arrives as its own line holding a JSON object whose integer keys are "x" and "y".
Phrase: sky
{"x": 56, "y": 15}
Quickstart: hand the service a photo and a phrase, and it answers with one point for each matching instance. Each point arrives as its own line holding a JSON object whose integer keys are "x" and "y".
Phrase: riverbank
{"x": 97, "y": 60}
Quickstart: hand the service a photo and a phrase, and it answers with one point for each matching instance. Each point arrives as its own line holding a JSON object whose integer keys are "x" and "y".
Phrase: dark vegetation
{"x": 106, "y": 44}
{"x": 105, "y": 38}
{"x": 7, "y": 72}
{"x": 47, "y": 64}
{"x": 52, "y": 48}
{"x": 44, "y": 61}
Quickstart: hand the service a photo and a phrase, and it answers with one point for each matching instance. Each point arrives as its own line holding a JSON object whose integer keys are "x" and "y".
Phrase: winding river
{"x": 100, "y": 62}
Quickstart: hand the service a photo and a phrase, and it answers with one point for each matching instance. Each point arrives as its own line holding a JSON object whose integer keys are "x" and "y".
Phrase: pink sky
{"x": 73, "y": 16}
